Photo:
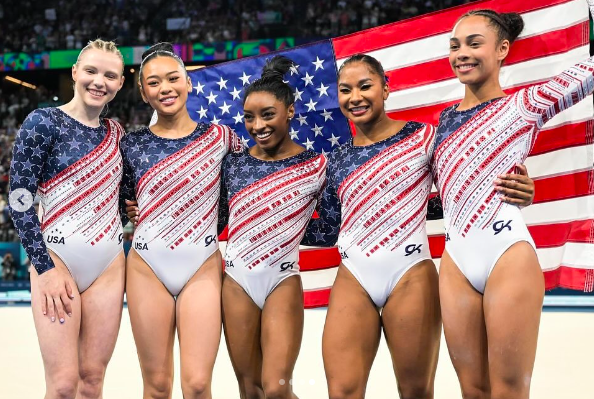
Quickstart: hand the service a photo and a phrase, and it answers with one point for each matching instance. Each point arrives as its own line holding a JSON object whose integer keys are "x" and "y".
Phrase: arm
{"x": 232, "y": 141}
{"x": 223, "y": 200}
{"x": 324, "y": 230}
{"x": 128, "y": 204}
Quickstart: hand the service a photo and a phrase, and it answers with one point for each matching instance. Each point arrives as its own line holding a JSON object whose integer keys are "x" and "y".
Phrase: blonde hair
{"x": 107, "y": 46}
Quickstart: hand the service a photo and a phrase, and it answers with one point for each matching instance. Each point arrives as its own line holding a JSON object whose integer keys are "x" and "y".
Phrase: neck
{"x": 172, "y": 126}
{"x": 86, "y": 115}
{"x": 374, "y": 131}
{"x": 478, "y": 94}
{"x": 285, "y": 149}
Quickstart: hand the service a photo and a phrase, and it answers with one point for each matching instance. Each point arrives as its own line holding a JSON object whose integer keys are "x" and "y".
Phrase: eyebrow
{"x": 245, "y": 111}
{"x": 167, "y": 74}
{"x": 469, "y": 37}
{"x": 359, "y": 82}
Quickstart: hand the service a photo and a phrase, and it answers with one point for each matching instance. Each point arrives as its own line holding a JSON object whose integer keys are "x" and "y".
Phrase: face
{"x": 475, "y": 51}
{"x": 97, "y": 77}
{"x": 165, "y": 85}
{"x": 361, "y": 93}
{"x": 267, "y": 119}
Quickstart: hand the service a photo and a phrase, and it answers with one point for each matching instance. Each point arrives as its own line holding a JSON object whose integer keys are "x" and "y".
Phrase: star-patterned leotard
{"x": 76, "y": 170}
{"x": 268, "y": 205}
{"x": 375, "y": 204}
{"x": 177, "y": 185}
{"x": 474, "y": 146}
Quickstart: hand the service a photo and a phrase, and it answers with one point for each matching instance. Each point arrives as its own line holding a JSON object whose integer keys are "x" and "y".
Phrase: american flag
{"x": 414, "y": 54}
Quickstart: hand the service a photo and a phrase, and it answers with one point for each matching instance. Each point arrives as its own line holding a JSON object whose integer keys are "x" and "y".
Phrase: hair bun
{"x": 163, "y": 46}
{"x": 276, "y": 67}
{"x": 514, "y": 24}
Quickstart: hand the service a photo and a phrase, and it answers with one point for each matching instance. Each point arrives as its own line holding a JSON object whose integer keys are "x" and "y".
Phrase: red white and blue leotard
{"x": 76, "y": 170}
{"x": 269, "y": 205}
{"x": 378, "y": 194}
{"x": 474, "y": 146}
{"x": 177, "y": 184}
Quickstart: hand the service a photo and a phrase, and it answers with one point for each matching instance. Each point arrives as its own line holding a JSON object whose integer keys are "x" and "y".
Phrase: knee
{"x": 91, "y": 382}
{"x": 411, "y": 389}
{"x": 158, "y": 385}
{"x": 250, "y": 389}
{"x": 345, "y": 390}
{"x": 513, "y": 387}
{"x": 64, "y": 386}
{"x": 476, "y": 392}
{"x": 196, "y": 387}
{"x": 277, "y": 388}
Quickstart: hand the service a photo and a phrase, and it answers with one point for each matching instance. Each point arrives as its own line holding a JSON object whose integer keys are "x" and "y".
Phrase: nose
{"x": 355, "y": 96}
{"x": 259, "y": 124}
{"x": 99, "y": 80}
{"x": 164, "y": 87}
{"x": 462, "y": 53}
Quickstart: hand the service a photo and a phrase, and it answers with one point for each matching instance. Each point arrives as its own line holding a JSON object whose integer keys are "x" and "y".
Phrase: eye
{"x": 268, "y": 115}
{"x": 152, "y": 83}
{"x": 365, "y": 86}
{"x": 173, "y": 78}
{"x": 248, "y": 118}
{"x": 344, "y": 90}
{"x": 475, "y": 44}
{"x": 89, "y": 71}
{"x": 454, "y": 47}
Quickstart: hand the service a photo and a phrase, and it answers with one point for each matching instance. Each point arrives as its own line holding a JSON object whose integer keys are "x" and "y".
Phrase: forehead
{"x": 161, "y": 64}
{"x": 356, "y": 71}
{"x": 261, "y": 99}
{"x": 101, "y": 59}
{"x": 473, "y": 24}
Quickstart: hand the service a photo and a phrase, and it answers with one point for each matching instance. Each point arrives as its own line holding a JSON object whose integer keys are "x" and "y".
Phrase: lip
{"x": 96, "y": 93}
{"x": 359, "y": 110}
{"x": 466, "y": 67}
{"x": 168, "y": 100}
{"x": 264, "y": 136}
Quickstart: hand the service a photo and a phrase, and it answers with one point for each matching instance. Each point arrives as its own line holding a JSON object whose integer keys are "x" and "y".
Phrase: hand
{"x": 56, "y": 294}
{"x": 516, "y": 189}
{"x": 132, "y": 211}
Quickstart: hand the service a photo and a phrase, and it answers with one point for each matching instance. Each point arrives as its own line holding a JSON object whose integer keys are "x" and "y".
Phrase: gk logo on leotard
{"x": 412, "y": 248}
{"x": 286, "y": 265}
{"x": 210, "y": 239}
{"x": 120, "y": 238}
{"x": 499, "y": 225}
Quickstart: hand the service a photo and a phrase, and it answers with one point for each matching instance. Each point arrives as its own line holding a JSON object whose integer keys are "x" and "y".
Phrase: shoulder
{"x": 40, "y": 116}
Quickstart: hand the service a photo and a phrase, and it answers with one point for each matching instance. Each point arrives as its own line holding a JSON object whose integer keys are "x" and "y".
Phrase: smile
{"x": 465, "y": 67}
{"x": 359, "y": 110}
{"x": 263, "y": 135}
{"x": 167, "y": 100}
{"x": 96, "y": 93}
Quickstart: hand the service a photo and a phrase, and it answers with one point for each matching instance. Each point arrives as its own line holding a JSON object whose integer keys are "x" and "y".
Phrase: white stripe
{"x": 580, "y": 112}
{"x": 431, "y": 48}
{"x": 560, "y": 162}
{"x": 318, "y": 279}
{"x": 561, "y": 211}
{"x": 572, "y": 254}
{"x": 535, "y": 70}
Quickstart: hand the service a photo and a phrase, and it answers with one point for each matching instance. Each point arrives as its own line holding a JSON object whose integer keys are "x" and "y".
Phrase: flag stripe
{"x": 563, "y": 136}
{"x": 387, "y": 36}
{"x": 565, "y": 186}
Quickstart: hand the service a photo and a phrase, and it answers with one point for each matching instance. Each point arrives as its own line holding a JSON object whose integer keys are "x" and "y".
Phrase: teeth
{"x": 357, "y": 109}
{"x": 168, "y": 100}
{"x": 96, "y": 93}
{"x": 262, "y": 136}
{"x": 466, "y": 66}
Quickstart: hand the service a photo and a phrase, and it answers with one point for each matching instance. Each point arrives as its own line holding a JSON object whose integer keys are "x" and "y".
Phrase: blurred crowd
{"x": 35, "y": 25}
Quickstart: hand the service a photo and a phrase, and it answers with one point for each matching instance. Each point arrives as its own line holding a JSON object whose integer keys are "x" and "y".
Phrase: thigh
{"x": 513, "y": 304}
{"x": 241, "y": 321}
{"x": 412, "y": 324}
{"x": 282, "y": 330}
{"x": 101, "y": 316}
{"x": 464, "y": 328}
{"x": 199, "y": 320}
{"x": 351, "y": 336}
{"x": 58, "y": 342}
{"x": 152, "y": 316}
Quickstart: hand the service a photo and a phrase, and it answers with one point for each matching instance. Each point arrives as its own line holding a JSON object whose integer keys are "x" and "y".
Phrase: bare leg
{"x": 241, "y": 321}
{"x": 282, "y": 330}
{"x": 412, "y": 324}
{"x": 513, "y": 305}
{"x": 351, "y": 337}
{"x": 464, "y": 328}
{"x": 199, "y": 328}
{"x": 152, "y": 315}
{"x": 58, "y": 342}
{"x": 100, "y": 323}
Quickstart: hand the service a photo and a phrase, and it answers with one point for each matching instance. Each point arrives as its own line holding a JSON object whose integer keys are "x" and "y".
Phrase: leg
{"x": 100, "y": 323}
{"x": 199, "y": 328}
{"x": 152, "y": 315}
{"x": 58, "y": 342}
{"x": 412, "y": 324}
{"x": 348, "y": 350}
{"x": 241, "y": 321}
{"x": 282, "y": 330}
{"x": 513, "y": 305}
{"x": 464, "y": 329}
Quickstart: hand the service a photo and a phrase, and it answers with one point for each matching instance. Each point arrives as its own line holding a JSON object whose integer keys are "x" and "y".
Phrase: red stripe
{"x": 535, "y": 47}
{"x": 564, "y": 136}
{"x": 571, "y": 185}
{"x": 316, "y": 298}
{"x": 318, "y": 259}
{"x": 555, "y": 235}
{"x": 566, "y": 277}
{"x": 432, "y": 24}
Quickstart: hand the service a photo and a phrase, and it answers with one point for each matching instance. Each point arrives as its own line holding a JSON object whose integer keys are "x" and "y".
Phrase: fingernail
{"x": 44, "y": 313}
{"x": 62, "y": 321}
{"x": 53, "y": 319}
{"x": 497, "y": 181}
{"x": 70, "y": 314}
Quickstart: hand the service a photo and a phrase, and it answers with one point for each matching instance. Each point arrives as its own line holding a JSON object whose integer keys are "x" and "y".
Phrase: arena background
{"x": 37, "y": 48}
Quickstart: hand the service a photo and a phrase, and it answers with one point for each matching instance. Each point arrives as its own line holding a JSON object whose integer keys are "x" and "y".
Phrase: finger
{"x": 51, "y": 309}
{"x": 516, "y": 177}
{"x": 59, "y": 309}
{"x": 512, "y": 201}
{"x": 514, "y": 193}
{"x": 69, "y": 290}
{"x": 44, "y": 305}
{"x": 522, "y": 169}
{"x": 67, "y": 303}
{"x": 128, "y": 202}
